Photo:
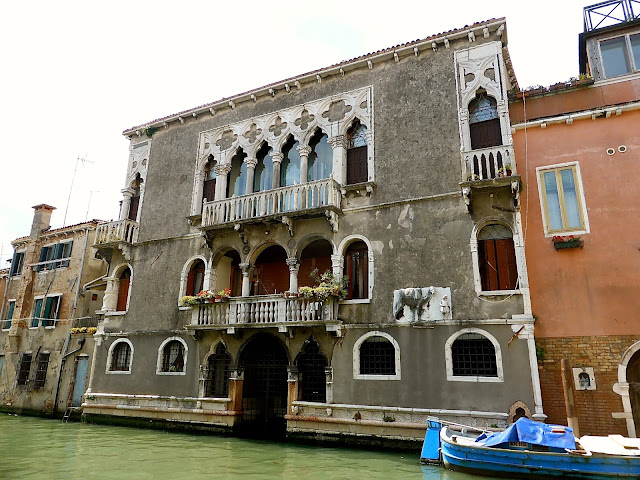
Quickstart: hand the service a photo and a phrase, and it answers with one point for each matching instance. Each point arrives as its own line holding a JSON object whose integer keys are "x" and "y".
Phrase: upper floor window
{"x": 46, "y": 310}
{"x": 562, "y": 199}
{"x": 290, "y": 166}
{"x": 357, "y": 153}
{"x": 320, "y": 158}
{"x": 195, "y": 278}
{"x": 237, "y": 184}
{"x": 473, "y": 355}
{"x": 376, "y": 357}
{"x": 620, "y": 55}
{"x": 497, "y": 258}
{"x": 209, "y": 186}
{"x": 356, "y": 268}
{"x": 17, "y": 263}
{"x": 173, "y": 354}
{"x": 123, "y": 290}
{"x": 217, "y": 378}
{"x": 6, "y": 323}
{"x": 55, "y": 256}
{"x": 120, "y": 357}
{"x": 484, "y": 123}
{"x": 311, "y": 367}
{"x": 135, "y": 199}
{"x": 263, "y": 177}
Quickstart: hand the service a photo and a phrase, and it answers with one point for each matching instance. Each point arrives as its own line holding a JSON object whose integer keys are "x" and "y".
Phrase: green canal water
{"x": 35, "y": 448}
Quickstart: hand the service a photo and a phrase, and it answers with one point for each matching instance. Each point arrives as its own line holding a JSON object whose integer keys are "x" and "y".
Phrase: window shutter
{"x": 357, "y": 165}
{"x": 123, "y": 293}
{"x": 209, "y": 190}
{"x": 349, "y": 273}
{"x": 488, "y": 264}
{"x": 190, "y": 283}
{"x": 485, "y": 134}
{"x": 12, "y": 306}
{"x": 47, "y": 307}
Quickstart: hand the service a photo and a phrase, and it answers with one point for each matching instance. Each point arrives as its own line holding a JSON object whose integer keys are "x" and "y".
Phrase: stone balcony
{"x": 317, "y": 198}
{"x": 266, "y": 311}
{"x": 114, "y": 233}
{"x": 492, "y": 167}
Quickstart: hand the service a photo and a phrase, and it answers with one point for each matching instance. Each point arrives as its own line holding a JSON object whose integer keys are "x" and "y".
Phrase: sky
{"x": 75, "y": 74}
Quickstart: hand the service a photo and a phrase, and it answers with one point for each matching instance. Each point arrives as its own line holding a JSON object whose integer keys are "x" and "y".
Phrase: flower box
{"x": 566, "y": 242}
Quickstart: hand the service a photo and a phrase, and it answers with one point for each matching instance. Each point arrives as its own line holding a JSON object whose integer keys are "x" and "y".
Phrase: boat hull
{"x": 527, "y": 464}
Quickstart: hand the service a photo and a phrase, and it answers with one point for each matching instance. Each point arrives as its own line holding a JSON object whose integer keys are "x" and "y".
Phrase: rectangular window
{"x": 55, "y": 256}
{"x": 562, "y": 200}
{"x": 41, "y": 370}
{"x": 6, "y": 324}
{"x": 16, "y": 264}
{"x": 46, "y": 310}
{"x": 1, "y": 363}
{"x": 620, "y": 55}
{"x": 24, "y": 368}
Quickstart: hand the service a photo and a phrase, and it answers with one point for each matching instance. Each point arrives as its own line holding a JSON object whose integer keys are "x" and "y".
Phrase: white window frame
{"x": 40, "y": 319}
{"x": 112, "y": 347}
{"x": 206, "y": 280}
{"x": 581, "y": 200}
{"x": 356, "y": 357}
{"x": 160, "y": 359}
{"x": 473, "y": 378}
{"x": 576, "y": 378}
{"x": 475, "y": 260}
{"x": 24, "y": 256}
{"x": 627, "y": 51}
{"x": 342, "y": 249}
{"x": 4, "y": 320}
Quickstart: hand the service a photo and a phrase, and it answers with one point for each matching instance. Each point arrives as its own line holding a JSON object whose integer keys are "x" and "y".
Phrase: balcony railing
{"x": 87, "y": 322}
{"x": 610, "y": 12}
{"x": 264, "y": 311}
{"x": 488, "y": 163}
{"x": 290, "y": 200}
{"x": 119, "y": 231}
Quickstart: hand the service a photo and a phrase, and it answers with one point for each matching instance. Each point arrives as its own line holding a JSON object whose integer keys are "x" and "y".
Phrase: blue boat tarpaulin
{"x": 536, "y": 433}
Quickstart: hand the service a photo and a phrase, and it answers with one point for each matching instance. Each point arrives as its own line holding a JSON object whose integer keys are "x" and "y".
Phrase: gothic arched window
{"x": 357, "y": 153}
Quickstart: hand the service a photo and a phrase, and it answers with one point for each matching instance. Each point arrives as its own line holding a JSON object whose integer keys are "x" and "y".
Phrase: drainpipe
{"x": 73, "y": 316}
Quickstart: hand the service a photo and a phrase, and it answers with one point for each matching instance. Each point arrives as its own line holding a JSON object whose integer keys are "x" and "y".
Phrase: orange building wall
{"x": 594, "y": 290}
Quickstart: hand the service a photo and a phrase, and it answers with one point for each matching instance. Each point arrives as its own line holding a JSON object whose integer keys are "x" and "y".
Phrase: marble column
{"x": 222, "y": 176}
{"x": 339, "y": 148}
{"x": 336, "y": 265}
{"x": 196, "y": 208}
{"x": 277, "y": 158}
{"x": 304, "y": 151}
{"x": 246, "y": 286}
{"x": 251, "y": 172}
{"x": 294, "y": 266}
{"x": 127, "y": 193}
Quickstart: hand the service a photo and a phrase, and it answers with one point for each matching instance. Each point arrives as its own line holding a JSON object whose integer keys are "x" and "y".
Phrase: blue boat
{"x": 533, "y": 450}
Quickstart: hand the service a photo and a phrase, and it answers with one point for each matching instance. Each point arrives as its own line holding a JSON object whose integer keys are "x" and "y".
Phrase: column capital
{"x": 293, "y": 264}
{"x": 245, "y": 268}
{"x": 338, "y": 141}
{"x": 277, "y": 157}
{"x": 336, "y": 260}
{"x": 222, "y": 169}
{"x": 128, "y": 192}
{"x": 304, "y": 150}
{"x": 251, "y": 162}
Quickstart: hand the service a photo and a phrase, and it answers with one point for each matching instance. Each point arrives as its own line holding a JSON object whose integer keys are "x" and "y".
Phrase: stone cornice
{"x": 414, "y": 48}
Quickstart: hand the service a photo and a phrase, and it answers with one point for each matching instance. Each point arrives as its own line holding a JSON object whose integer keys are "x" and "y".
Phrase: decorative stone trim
{"x": 356, "y": 357}
{"x": 449, "y": 359}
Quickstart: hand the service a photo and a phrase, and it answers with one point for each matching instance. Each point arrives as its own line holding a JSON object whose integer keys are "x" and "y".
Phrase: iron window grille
{"x": 377, "y": 357}
{"x": 121, "y": 357}
{"x": 217, "y": 379}
{"x": 24, "y": 368}
{"x": 41, "y": 370}
{"x": 474, "y": 355}
{"x": 311, "y": 367}
{"x": 173, "y": 357}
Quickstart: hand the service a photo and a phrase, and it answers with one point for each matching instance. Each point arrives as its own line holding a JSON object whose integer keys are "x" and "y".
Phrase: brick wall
{"x": 593, "y": 407}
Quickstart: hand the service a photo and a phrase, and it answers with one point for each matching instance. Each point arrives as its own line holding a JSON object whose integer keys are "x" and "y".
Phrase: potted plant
{"x": 189, "y": 301}
{"x": 560, "y": 242}
{"x": 505, "y": 170}
{"x": 206, "y": 296}
{"x": 223, "y": 295}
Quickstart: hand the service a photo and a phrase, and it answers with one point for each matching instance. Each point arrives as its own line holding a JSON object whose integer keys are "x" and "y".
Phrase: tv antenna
{"x": 83, "y": 159}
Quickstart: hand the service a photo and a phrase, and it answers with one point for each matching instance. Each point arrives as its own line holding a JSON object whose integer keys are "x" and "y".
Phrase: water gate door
{"x": 81, "y": 377}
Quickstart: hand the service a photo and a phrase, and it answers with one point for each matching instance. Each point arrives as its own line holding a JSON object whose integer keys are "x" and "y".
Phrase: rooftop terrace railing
{"x": 610, "y": 12}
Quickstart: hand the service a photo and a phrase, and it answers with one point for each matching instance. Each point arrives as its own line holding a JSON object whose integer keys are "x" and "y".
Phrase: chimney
{"x": 41, "y": 217}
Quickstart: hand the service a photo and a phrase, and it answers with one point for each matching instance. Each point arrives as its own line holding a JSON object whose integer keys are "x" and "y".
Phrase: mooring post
{"x": 567, "y": 387}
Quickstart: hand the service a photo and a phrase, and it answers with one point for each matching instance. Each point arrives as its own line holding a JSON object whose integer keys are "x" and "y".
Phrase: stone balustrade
{"x": 488, "y": 163}
{"x": 114, "y": 232}
{"x": 289, "y": 200}
{"x": 264, "y": 311}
